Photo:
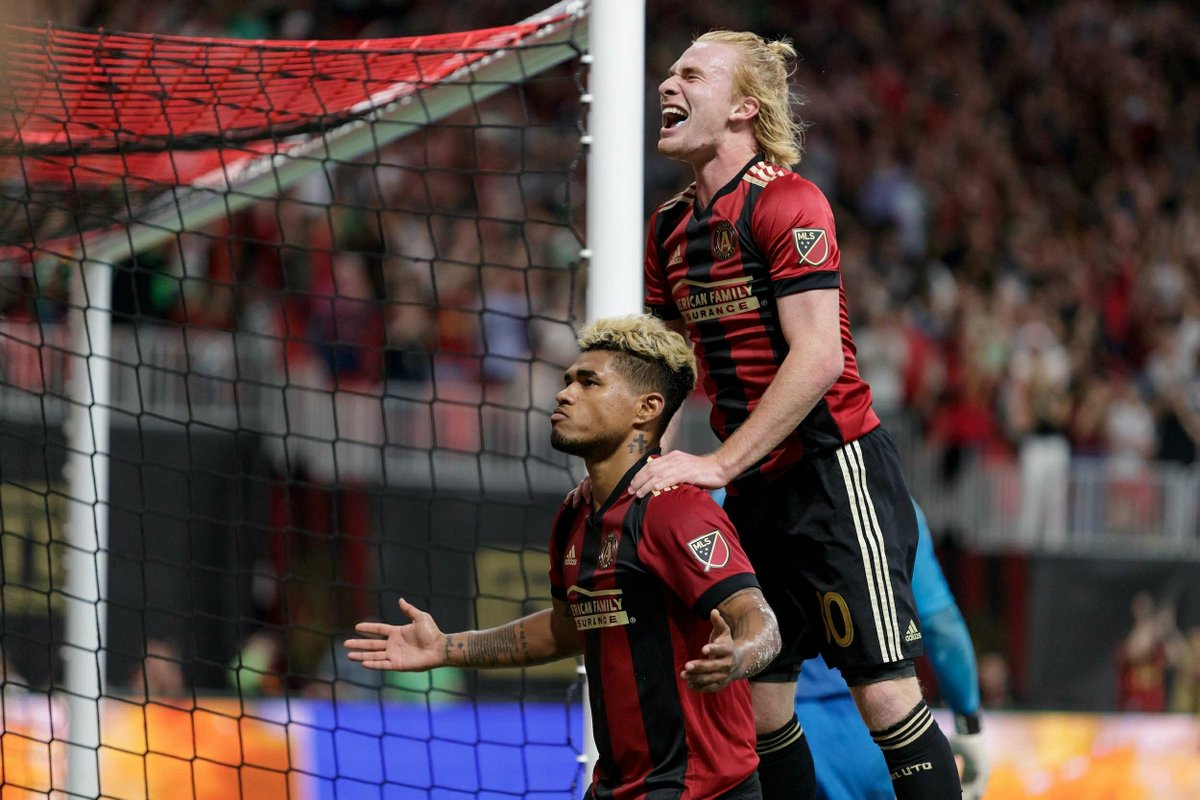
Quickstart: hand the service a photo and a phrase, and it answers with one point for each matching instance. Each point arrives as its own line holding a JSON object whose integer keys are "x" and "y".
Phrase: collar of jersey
{"x": 698, "y": 212}
{"x": 622, "y": 485}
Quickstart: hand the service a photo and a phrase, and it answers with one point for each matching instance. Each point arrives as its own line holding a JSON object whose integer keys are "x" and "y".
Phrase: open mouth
{"x": 673, "y": 116}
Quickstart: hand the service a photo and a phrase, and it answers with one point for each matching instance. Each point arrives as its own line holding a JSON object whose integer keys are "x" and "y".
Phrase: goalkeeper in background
{"x": 849, "y": 765}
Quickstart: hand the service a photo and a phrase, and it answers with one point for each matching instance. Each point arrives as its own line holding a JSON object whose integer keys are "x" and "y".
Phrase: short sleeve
{"x": 657, "y": 294}
{"x": 558, "y": 530}
{"x": 689, "y": 543}
{"x": 793, "y": 225}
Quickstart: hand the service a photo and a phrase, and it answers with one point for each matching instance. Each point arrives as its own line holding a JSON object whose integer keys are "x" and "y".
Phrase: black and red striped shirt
{"x": 766, "y": 234}
{"x": 640, "y": 577}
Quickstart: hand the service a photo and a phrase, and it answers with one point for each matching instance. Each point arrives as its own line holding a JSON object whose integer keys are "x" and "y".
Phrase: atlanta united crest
{"x": 724, "y": 241}
{"x": 608, "y": 553}
{"x": 711, "y": 550}
{"x": 812, "y": 244}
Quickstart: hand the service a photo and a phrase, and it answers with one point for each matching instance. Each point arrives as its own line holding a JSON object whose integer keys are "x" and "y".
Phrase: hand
{"x": 407, "y": 648}
{"x": 971, "y": 749}
{"x": 720, "y": 665}
{"x": 581, "y": 493}
{"x": 678, "y": 467}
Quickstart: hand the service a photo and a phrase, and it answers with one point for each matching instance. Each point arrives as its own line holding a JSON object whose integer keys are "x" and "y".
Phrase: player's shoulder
{"x": 678, "y": 499}
{"x": 684, "y": 198}
{"x": 778, "y": 182}
{"x": 764, "y": 173}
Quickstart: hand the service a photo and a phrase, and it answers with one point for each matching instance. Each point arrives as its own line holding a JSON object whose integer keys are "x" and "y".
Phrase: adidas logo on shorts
{"x": 912, "y": 634}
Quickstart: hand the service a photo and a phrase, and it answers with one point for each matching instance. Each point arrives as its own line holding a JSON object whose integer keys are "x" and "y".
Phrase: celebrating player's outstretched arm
{"x": 545, "y": 636}
{"x": 689, "y": 725}
{"x": 739, "y": 648}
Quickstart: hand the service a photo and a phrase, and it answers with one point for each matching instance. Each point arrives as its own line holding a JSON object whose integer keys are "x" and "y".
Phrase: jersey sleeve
{"x": 793, "y": 225}
{"x": 558, "y": 589}
{"x": 658, "y": 298}
{"x": 691, "y": 546}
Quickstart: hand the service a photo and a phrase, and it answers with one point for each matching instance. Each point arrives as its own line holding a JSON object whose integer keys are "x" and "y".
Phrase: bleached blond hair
{"x": 763, "y": 73}
{"x": 652, "y": 356}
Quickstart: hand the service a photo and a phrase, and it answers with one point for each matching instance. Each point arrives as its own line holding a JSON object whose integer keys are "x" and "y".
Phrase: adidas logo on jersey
{"x": 912, "y": 634}
{"x": 570, "y": 560}
{"x": 676, "y": 257}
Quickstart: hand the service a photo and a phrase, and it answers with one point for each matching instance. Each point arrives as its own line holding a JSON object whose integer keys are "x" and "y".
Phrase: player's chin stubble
{"x": 572, "y": 447}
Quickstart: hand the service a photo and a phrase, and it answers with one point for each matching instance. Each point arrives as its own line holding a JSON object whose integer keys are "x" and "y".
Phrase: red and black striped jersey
{"x": 640, "y": 577}
{"x": 766, "y": 234}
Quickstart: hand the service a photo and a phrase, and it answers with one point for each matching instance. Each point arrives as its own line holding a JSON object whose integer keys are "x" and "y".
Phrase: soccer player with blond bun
{"x": 746, "y": 262}
{"x": 655, "y": 591}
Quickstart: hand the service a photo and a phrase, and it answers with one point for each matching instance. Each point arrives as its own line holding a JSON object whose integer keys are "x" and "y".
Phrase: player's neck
{"x": 607, "y": 472}
{"x": 713, "y": 173}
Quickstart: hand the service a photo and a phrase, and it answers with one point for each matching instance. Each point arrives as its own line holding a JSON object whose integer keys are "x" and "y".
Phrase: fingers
{"x": 366, "y": 645}
{"x": 673, "y": 469}
{"x": 581, "y": 493}
{"x": 707, "y": 676}
{"x": 720, "y": 627}
{"x": 373, "y": 629}
{"x": 647, "y": 479}
{"x": 409, "y": 610}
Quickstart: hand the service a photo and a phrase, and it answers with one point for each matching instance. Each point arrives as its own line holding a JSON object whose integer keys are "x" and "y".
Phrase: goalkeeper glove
{"x": 967, "y": 743}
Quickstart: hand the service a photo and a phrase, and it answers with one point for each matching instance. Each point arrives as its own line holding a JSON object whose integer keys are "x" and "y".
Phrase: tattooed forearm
{"x": 505, "y": 646}
{"x": 756, "y": 633}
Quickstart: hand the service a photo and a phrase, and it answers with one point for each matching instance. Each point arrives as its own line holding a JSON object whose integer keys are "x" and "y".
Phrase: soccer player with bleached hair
{"x": 655, "y": 591}
{"x": 745, "y": 261}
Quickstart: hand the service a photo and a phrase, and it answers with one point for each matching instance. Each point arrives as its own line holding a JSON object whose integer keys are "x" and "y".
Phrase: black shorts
{"x": 749, "y": 789}
{"x": 833, "y": 542}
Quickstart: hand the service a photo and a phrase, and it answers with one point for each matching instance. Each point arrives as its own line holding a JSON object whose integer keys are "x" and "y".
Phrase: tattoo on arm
{"x": 758, "y": 630}
{"x": 455, "y": 648}
{"x": 638, "y": 444}
{"x": 502, "y": 647}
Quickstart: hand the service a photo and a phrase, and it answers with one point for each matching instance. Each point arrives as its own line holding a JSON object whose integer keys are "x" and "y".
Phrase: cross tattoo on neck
{"x": 639, "y": 444}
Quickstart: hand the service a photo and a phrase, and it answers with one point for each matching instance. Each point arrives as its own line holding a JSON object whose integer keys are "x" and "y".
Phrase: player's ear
{"x": 650, "y": 407}
{"x": 746, "y": 109}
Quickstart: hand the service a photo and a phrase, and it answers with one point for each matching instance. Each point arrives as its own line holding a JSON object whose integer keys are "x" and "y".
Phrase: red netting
{"x": 88, "y": 107}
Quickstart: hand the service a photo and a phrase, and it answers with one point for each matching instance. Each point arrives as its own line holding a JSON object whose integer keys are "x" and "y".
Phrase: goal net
{"x": 280, "y": 326}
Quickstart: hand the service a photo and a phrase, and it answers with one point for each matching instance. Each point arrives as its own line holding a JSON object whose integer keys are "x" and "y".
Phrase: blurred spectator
{"x": 1172, "y": 374}
{"x": 346, "y": 322}
{"x": 995, "y": 681}
{"x": 1130, "y": 442}
{"x": 160, "y": 674}
{"x": 409, "y": 334}
{"x": 1185, "y": 689}
{"x": 1038, "y": 407}
{"x": 1145, "y": 656}
{"x": 505, "y": 312}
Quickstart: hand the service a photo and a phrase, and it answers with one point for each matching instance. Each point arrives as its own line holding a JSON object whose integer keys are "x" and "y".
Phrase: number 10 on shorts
{"x": 833, "y": 607}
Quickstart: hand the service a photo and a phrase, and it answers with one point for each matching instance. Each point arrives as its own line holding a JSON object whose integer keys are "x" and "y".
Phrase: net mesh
{"x": 344, "y": 283}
